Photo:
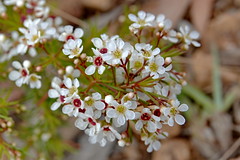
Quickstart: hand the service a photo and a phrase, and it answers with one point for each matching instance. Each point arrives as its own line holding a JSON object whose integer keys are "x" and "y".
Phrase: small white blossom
{"x": 143, "y": 19}
{"x": 189, "y": 37}
{"x": 34, "y": 81}
{"x": 73, "y": 48}
{"x": 97, "y": 64}
{"x": 68, "y": 33}
{"x": 155, "y": 67}
{"x": 148, "y": 119}
{"x": 173, "y": 113}
{"x": 20, "y": 76}
{"x": 121, "y": 112}
{"x": 71, "y": 89}
{"x": 146, "y": 50}
{"x": 73, "y": 107}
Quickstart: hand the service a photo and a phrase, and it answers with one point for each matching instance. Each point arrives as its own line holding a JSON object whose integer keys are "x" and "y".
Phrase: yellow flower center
{"x": 153, "y": 67}
{"x": 121, "y": 109}
{"x": 117, "y": 54}
{"x": 89, "y": 101}
{"x": 137, "y": 64}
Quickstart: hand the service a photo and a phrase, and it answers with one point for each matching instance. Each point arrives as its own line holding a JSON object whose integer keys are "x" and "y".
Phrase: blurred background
{"x": 212, "y": 130}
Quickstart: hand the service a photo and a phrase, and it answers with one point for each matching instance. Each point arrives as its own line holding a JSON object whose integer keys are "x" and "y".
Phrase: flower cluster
{"x": 118, "y": 83}
{"x": 127, "y": 84}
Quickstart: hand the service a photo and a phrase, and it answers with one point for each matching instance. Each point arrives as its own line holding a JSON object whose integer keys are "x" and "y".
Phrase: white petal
{"x": 111, "y": 113}
{"x": 139, "y": 125}
{"x": 194, "y": 35}
{"x": 156, "y": 145}
{"x": 79, "y": 123}
{"x": 19, "y": 82}
{"x": 16, "y": 65}
{"x": 179, "y": 119}
{"x": 101, "y": 69}
{"x": 55, "y": 106}
{"x": 52, "y": 93}
{"x": 76, "y": 82}
{"x": 90, "y": 70}
{"x": 183, "y": 108}
{"x": 121, "y": 120}
{"x": 97, "y": 42}
{"x": 171, "y": 122}
{"x": 68, "y": 29}
{"x": 99, "y": 105}
{"x": 196, "y": 44}
{"x": 68, "y": 83}
{"x": 130, "y": 115}
{"x": 78, "y": 32}
{"x": 67, "y": 109}
{"x": 151, "y": 127}
{"x": 14, "y": 75}
{"x": 96, "y": 96}
{"x": 132, "y": 17}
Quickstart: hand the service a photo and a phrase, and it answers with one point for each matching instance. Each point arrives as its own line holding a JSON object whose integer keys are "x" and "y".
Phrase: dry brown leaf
{"x": 73, "y": 7}
{"x": 222, "y": 125}
{"x": 102, "y": 5}
{"x": 172, "y": 131}
{"x": 132, "y": 152}
{"x": 201, "y": 67}
{"x": 173, "y": 9}
{"x": 173, "y": 149}
{"x": 201, "y": 11}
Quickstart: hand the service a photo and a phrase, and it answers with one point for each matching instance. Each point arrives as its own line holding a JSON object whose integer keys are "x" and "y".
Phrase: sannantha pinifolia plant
{"x": 116, "y": 87}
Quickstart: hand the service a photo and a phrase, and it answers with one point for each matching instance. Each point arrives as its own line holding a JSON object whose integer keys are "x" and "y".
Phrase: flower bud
{"x": 60, "y": 71}
{"x": 26, "y": 63}
{"x": 131, "y": 95}
{"x": 76, "y": 61}
{"x": 38, "y": 68}
{"x": 83, "y": 56}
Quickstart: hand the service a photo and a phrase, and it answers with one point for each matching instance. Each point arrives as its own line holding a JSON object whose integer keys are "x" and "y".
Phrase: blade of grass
{"x": 199, "y": 97}
{"x": 230, "y": 97}
{"x": 216, "y": 79}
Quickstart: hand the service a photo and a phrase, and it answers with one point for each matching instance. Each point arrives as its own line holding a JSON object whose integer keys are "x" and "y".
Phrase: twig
{"x": 231, "y": 150}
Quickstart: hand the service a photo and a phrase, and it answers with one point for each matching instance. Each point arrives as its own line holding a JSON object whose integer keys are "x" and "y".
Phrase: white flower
{"x": 173, "y": 113}
{"x": 85, "y": 121}
{"x": 143, "y": 19}
{"x": 55, "y": 92}
{"x": 118, "y": 50}
{"x": 71, "y": 89}
{"x": 121, "y": 112}
{"x": 136, "y": 61}
{"x": 101, "y": 43}
{"x": 34, "y": 81}
{"x": 189, "y": 37}
{"x": 146, "y": 118}
{"x": 73, "y": 107}
{"x": 73, "y": 48}
{"x": 68, "y": 33}
{"x": 97, "y": 64}
{"x": 153, "y": 141}
{"x": 155, "y": 67}
{"x": 20, "y": 76}
{"x": 94, "y": 101}
{"x": 146, "y": 50}
{"x": 163, "y": 23}
{"x": 106, "y": 132}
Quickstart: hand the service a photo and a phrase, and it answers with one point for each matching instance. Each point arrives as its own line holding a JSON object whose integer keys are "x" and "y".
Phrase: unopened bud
{"x": 69, "y": 69}
{"x": 9, "y": 123}
{"x": 38, "y": 68}
{"x": 83, "y": 56}
{"x": 76, "y": 61}
{"x": 60, "y": 71}
{"x": 26, "y": 63}
{"x": 131, "y": 95}
{"x": 168, "y": 60}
